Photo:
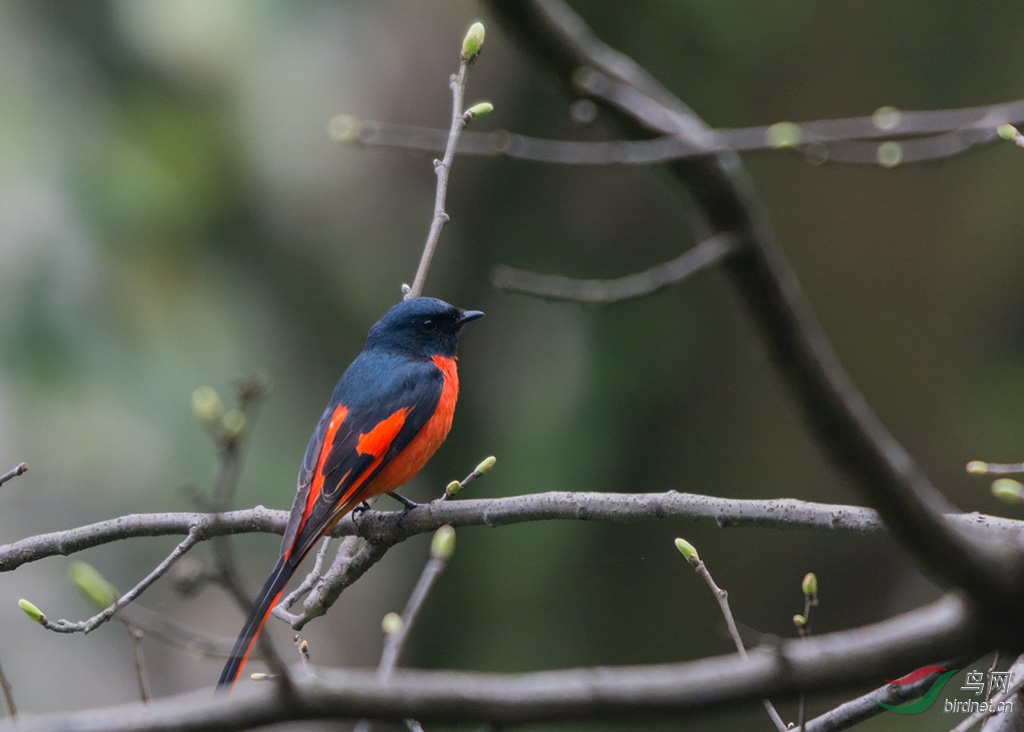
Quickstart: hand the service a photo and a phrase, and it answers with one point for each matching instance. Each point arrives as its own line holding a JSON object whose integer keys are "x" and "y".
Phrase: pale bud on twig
{"x": 688, "y": 550}
{"x": 392, "y": 624}
{"x": 977, "y": 467}
{"x": 34, "y": 613}
{"x": 92, "y": 584}
{"x": 486, "y": 464}
{"x": 344, "y": 128}
{"x": 478, "y": 110}
{"x": 232, "y": 424}
{"x": 443, "y": 544}
{"x": 809, "y": 586}
{"x": 473, "y": 42}
{"x": 206, "y": 404}
{"x": 783, "y": 134}
{"x": 1008, "y": 490}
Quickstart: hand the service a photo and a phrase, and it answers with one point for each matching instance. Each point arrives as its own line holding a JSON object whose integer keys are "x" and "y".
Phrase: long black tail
{"x": 265, "y": 602}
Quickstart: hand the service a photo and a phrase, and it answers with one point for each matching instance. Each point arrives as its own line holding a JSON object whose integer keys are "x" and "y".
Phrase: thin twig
{"x": 809, "y": 586}
{"x": 343, "y": 559}
{"x": 230, "y": 441}
{"x": 171, "y": 631}
{"x": 442, "y": 169}
{"x": 978, "y": 467}
{"x": 87, "y": 626}
{"x": 722, "y": 597}
{"x": 345, "y": 570}
{"x": 8, "y": 695}
{"x": 556, "y": 287}
{"x": 311, "y": 579}
{"x": 933, "y": 134}
{"x": 135, "y": 638}
{"x": 14, "y": 472}
{"x": 456, "y": 486}
{"x": 394, "y": 642}
{"x": 230, "y": 446}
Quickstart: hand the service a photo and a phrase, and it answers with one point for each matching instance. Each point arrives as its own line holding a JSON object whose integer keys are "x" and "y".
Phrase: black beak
{"x": 467, "y": 315}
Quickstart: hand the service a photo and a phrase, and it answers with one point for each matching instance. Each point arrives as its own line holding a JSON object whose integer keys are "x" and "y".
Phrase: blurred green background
{"x": 173, "y": 214}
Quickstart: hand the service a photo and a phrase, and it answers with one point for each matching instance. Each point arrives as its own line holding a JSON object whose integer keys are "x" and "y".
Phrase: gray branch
{"x": 394, "y": 526}
{"x": 822, "y": 663}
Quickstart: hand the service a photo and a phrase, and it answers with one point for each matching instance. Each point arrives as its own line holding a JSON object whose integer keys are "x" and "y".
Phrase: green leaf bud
{"x": 478, "y": 110}
{"x": 810, "y": 586}
{"x": 206, "y": 404}
{"x": 486, "y": 464}
{"x": 1008, "y": 490}
{"x": 92, "y": 584}
{"x": 783, "y": 134}
{"x": 687, "y": 550}
{"x": 473, "y": 42}
{"x": 232, "y": 424}
{"x": 1007, "y": 131}
{"x": 889, "y": 154}
{"x": 443, "y": 544}
{"x": 392, "y": 624}
{"x": 345, "y": 128}
{"x": 886, "y": 118}
{"x": 977, "y": 467}
{"x": 34, "y": 613}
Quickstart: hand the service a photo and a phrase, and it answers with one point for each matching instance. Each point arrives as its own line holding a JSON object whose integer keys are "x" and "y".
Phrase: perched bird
{"x": 391, "y": 410}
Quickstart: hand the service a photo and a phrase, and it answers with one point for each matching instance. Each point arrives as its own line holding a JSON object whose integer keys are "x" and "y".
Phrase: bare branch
{"x": 135, "y": 640}
{"x": 345, "y": 570}
{"x": 312, "y": 578}
{"x": 722, "y": 598}
{"x": 555, "y": 287}
{"x": 921, "y": 136}
{"x": 14, "y": 472}
{"x": 442, "y": 168}
{"x": 8, "y": 695}
{"x": 393, "y": 642}
{"x": 780, "y": 513}
{"x": 844, "y": 424}
{"x": 637, "y": 692}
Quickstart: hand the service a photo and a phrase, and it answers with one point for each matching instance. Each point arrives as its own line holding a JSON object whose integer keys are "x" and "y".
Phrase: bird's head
{"x": 422, "y": 327}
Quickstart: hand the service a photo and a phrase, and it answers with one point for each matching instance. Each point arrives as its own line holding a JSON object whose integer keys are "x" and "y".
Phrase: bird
{"x": 388, "y": 414}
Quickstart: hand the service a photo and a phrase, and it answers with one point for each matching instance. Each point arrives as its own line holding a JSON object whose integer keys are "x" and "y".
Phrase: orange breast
{"x": 423, "y": 446}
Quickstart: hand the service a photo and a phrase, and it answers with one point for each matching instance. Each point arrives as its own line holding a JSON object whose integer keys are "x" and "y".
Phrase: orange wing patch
{"x": 340, "y": 412}
{"x": 377, "y": 441}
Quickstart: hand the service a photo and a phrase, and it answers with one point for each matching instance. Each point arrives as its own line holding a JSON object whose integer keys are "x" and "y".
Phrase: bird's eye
{"x": 428, "y": 325}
